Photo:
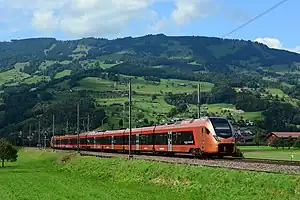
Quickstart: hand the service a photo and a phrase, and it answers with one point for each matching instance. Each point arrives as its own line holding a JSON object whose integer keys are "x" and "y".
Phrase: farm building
{"x": 271, "y": 137}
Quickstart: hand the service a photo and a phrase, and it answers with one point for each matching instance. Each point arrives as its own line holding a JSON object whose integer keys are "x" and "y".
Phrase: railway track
{"x": 246, "y": 164}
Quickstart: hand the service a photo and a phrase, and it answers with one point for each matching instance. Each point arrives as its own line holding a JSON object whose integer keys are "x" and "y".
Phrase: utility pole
{"x": 29, "y": 136}
{"x": 88, "y": 123}
{"x": 130, "y": 120}
{"x": 78, "y": 140}
{"x": 21, "y": 133}
{"x": 39, "y": 131}
{"x": 53, "y": 125}
{"x": 67, "y": 127}
{"x": 45, "y": 140}
{"x": 199, "y": 105}
{"x": 124, "y": 107}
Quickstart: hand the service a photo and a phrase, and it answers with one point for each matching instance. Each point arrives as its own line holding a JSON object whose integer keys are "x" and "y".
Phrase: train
{"x": 207, "y": 136}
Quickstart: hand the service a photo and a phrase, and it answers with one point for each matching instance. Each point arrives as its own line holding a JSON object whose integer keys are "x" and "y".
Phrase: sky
{"x": 73, "y": 19}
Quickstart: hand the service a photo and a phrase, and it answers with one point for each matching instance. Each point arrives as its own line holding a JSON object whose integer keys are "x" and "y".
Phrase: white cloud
{"x": 270, "y": 42}
{"x": 276, "y": 44}
{"x": 79, "y": 17}
{"x": 157, "y": 23}
{"x": 188, "y": 10}
{"x": 45, "y": 20}
{"x": 100, "y": 18}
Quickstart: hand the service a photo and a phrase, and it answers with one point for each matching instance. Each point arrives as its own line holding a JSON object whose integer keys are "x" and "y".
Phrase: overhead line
{"x": 255, "y": 18}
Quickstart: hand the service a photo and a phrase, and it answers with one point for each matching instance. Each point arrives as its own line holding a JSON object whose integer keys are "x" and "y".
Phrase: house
{"x": 271, "y": 137}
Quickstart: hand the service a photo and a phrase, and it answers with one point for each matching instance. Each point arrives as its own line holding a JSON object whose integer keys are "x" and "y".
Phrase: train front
{"x": 222, "y": 133}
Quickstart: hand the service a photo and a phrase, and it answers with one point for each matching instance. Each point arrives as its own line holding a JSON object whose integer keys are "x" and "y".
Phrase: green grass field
{"x": 66, "y": 72}
{"x": 59, "y": 175}
{"x": 12, "y": 76}
{"x": 266, "y": 152}
{"x": 143, "y": 87}
{"x": 217, "y": 108}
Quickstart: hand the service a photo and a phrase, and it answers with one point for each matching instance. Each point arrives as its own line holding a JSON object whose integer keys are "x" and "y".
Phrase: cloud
{"x": 78, "y": 18}
{"x": 100, "y": 18}
{"x": 270, "y": 42}
{"x": 157, "y": 23}
{"x": 45, "y": 20}
{"x": 276, "y": 44}
{"x": 186, "y": 11}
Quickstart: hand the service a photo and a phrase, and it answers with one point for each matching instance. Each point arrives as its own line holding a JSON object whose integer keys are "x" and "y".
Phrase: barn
{"x": 271, "y": 137}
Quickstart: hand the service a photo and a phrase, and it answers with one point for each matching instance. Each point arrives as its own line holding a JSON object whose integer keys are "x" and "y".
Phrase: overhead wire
{"x": 255, "y": 18}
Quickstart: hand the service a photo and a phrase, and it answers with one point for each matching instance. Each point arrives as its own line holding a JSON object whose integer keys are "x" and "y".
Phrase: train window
{"x": 145, "y": 139}
{"x": 73, "y": 141}
{"x": 82, "y": 140}
{"x": 183, "y": 138}
{"x": 133, "y": 139}
{"x": 119, "y": 140}
{"x": 161, "y": 139}
{"x": 97, "y": 141}
{"x": 90, "y": 140}
{"x": 65, "y": 141}
{"x": 106, "y": 140}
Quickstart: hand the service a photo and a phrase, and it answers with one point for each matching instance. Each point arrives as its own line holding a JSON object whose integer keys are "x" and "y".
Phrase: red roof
{"x": 285, "y": 134}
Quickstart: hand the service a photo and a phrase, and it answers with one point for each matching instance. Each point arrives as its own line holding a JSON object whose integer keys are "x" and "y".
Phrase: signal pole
{"x": 67, "y": 126}
{"x": 130, "y": 120}
{"x": 29, "y": 136}
{"x": 21, "y": 133}
{"x": 45, "y": 140}
{"x": 124, "y": 107}
{"x": 39, "y": 134}
{"x": 78, "y": 128}
{"x": 39, "y": 131}
{"x": 199, "y": 105}
{"x": 53, "y": 125}
{"x": 88, "y": 123}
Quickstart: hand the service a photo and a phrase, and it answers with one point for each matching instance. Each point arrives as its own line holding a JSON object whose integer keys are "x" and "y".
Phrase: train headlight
{"x": 216, "y": 138}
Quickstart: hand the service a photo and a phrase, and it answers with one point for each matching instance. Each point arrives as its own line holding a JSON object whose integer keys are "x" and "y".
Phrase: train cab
{"x": 220, "y": 137}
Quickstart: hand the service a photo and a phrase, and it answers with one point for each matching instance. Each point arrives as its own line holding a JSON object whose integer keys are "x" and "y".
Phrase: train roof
{"x": 187, "y": 123}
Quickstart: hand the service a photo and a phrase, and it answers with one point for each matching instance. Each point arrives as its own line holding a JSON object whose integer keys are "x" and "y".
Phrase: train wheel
{"x": 196, "y": 153}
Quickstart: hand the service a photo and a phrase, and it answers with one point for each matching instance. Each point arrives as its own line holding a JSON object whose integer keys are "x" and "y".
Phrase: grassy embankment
{"x": 48, "y": 175}
{"x": 266, "y": 152}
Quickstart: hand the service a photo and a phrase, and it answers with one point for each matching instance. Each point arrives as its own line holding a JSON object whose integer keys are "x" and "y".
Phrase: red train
{"x": 205, "y": 136}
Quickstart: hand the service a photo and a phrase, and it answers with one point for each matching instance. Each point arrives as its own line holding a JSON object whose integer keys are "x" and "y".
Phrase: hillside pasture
{"x": 266, "y": 152}
{"x": 141, "y": 86}
{"x": 12, "y": 76}
{"x": 43, "y": 174}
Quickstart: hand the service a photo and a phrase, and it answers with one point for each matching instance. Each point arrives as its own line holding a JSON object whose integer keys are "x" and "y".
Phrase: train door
{"x": 170, "y": 141}
{"x": 137, "y": 142}
{"x": 202, "y": 140}
{"x": 112, "y": 142}
{"x": 94, "y": 142}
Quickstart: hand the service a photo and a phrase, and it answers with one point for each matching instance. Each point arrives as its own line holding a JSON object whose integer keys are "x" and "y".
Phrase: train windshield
{"x": 222, "y": 127}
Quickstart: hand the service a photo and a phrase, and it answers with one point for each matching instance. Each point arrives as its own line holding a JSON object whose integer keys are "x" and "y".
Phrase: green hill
{"x": 51, "y": 174}
{"x": 241, "y": 80}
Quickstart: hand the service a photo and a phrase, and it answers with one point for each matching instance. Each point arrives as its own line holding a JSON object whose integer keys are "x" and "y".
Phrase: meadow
{"x": 266, "y": 152}
{"x": 43, "y": 174}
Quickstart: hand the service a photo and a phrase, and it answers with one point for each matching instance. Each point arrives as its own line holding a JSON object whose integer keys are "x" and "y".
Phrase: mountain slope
{"x": 44, "y": 76}
{"x": 202, "y": 50}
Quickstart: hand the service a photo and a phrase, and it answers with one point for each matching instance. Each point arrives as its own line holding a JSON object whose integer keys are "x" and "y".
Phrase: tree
{"x": 121, "y": 123}
{"x": 153, "y": 97}
{"x": 280, "y": 142}
{"x": 256, "y": 139}
{"x": 7, "y": 151}
{"x": 290, "y": 142}
{"x": 297, "y": 143}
